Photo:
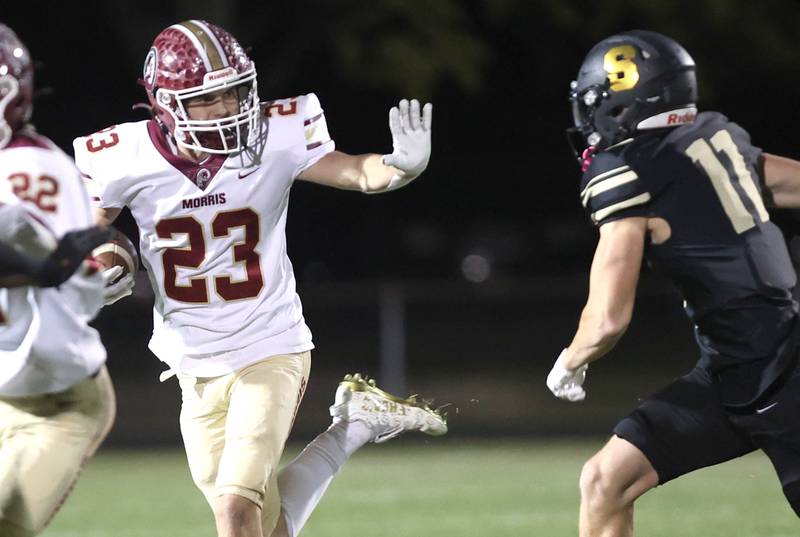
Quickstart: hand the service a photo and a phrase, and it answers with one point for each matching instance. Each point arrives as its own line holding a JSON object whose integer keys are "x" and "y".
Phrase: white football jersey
{"x": 212, "y": 235}
{"x": 46, "y": 344}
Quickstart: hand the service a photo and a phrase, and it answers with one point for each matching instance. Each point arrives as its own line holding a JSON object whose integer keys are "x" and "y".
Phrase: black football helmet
{"x": 629, "y": 82}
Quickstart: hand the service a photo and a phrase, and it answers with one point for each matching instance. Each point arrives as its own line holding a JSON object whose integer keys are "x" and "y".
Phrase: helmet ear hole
{"x": 617, "y": 111}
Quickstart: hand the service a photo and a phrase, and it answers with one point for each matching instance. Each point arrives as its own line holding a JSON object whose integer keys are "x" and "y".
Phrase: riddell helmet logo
{"x": 673, "y": 118}
{"x": 679, "y": 119}
{"x": 149, "y": 72}
{"x": 221, "y": 74}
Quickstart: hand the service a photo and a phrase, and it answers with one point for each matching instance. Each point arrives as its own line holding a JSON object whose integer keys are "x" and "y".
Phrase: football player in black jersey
{"x": 688, "y": 192}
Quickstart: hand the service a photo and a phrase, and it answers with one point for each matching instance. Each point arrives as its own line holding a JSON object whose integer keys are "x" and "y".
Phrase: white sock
{"x": 303, "y": 482}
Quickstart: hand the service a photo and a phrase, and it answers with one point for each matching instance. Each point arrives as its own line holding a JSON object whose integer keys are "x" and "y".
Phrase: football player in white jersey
{"x": 56, "y": 399}
{"x": 207, "y": 181}
{"x": 18, "y": 268}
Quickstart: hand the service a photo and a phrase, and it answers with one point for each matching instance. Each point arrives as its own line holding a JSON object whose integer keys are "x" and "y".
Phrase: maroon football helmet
{"x": 195, "y": 58}
{"x": 16, "y": 84}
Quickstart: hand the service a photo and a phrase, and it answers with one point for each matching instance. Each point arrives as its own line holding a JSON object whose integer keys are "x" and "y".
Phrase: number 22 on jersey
{"x": 733, "y": 205}
{"x": 194, "y": 254}
{"x": 42, "y": 191}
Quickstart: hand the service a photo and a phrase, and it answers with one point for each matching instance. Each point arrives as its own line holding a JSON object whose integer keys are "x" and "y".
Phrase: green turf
{"x": 444, "y": 488}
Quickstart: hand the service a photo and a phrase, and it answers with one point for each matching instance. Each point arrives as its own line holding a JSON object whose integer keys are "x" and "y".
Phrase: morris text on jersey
{"x": 204, "y": 201}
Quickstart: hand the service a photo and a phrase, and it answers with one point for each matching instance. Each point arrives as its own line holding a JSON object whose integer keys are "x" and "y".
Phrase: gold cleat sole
{"x": 362, "y": 383}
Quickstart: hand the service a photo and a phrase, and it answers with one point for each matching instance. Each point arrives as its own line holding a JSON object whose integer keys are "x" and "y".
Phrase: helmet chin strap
{"x": 587, "y": 156}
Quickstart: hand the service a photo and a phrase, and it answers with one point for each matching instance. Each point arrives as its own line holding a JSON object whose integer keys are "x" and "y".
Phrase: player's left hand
{"x": 565, "y": 383}
{"x": 411, "y": 138}
{"x": 116, "y": 288}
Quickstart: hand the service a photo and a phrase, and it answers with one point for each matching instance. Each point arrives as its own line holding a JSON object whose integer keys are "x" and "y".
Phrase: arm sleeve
{"x": 611, "y": 190}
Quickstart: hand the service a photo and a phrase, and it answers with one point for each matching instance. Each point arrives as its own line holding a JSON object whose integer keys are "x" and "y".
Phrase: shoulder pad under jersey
{"x": 106, "y": 157}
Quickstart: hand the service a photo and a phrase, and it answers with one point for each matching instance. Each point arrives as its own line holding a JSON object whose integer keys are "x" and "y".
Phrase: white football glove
{"x": 566, "y": 384}
{"x": 116, "y": 289}
{"x": 411, "y": 141}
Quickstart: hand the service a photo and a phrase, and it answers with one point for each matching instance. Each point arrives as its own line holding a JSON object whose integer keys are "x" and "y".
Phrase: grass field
{"x": 444, "y": 488}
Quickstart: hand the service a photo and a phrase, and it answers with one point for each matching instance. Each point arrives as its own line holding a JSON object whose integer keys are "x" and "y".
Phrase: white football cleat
{"x": 358, "y": 399}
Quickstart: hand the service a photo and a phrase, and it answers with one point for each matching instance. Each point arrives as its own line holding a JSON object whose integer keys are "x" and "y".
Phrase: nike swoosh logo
{"x": 243, "y": 175}
{"x": 762, "y": 410}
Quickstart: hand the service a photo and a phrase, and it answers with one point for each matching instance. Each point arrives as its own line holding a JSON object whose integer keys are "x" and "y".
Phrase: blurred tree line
{"x": 415, "y": 47}
{"x": 501, "y": 180}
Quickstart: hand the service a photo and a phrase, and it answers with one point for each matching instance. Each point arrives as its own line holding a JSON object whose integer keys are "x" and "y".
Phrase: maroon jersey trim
{"x": 187, "y": 167}
{"x": 28, "y": 140}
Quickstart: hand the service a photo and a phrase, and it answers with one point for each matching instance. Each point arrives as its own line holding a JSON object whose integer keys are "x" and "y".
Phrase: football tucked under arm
{"x": 118, "y": 250}
{"x": 120, "y": 261}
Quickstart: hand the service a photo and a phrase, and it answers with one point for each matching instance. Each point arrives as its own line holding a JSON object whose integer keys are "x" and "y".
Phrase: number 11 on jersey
{"x": 733, "y": 205}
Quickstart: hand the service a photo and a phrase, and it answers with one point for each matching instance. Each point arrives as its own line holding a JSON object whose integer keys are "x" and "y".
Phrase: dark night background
{"x": 488, "y": 251}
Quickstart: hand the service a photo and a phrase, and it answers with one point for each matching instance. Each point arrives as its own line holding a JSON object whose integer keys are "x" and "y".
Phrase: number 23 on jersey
{"x": 193, "y": 255}
{"x": 102, "y": 139}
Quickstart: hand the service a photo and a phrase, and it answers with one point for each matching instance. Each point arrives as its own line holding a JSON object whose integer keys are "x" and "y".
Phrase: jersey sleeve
{"x": 103, "y": 192}
{"x": 611, "y": 190}
{"x": 318, "y": 141}
{"x": 750, "y": 153}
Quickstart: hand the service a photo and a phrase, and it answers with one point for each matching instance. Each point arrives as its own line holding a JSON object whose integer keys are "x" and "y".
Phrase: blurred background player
{"x": 56, "y": 399}
{"x": 207, "y": 181}
{"x": 688, "y": 192}
{"x": 18, "y": 268}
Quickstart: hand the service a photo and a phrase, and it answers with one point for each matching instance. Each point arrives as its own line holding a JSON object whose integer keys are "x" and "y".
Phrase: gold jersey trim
{"x": 611, "y": 209}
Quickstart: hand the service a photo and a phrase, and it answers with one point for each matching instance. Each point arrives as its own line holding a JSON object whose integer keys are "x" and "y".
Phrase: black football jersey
{"x": 728, "y": 259}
